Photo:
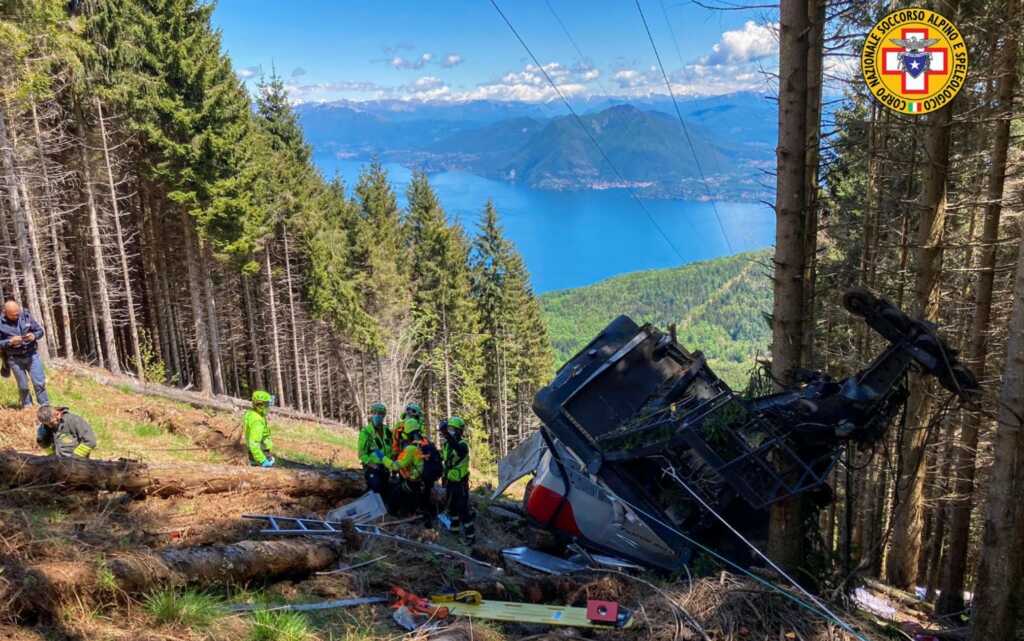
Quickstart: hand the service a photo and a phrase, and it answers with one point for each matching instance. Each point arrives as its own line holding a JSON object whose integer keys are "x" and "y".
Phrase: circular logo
{"x": 914, "y": 61}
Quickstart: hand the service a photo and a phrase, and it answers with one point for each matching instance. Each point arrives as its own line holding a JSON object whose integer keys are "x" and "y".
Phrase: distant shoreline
{"x": 649, "y": 189}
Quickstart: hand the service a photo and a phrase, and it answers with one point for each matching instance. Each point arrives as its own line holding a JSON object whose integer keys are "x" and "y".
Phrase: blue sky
{"x": 457, "y": 50}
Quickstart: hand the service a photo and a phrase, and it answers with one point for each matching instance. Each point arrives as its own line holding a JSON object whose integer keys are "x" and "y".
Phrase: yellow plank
{"x": 527, "y": 613}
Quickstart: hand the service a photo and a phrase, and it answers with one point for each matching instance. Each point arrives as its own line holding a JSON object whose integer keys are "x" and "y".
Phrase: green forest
{"x": 161, "y": 220}
{"x": 718, "y": 306}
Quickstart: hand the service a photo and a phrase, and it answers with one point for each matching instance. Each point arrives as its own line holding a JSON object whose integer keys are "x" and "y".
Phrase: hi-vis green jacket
{"x": 374, "y": 445}
{"x": 257, "y": 435}
{"x": 73, "y": 436}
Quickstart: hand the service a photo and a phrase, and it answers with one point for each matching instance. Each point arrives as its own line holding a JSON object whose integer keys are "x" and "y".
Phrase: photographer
{"x": 19, "y": 340}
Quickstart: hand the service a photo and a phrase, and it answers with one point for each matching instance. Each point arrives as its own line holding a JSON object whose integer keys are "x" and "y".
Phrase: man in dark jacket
{"x": 62, "y": 433}
{"x": 19, "y": 339}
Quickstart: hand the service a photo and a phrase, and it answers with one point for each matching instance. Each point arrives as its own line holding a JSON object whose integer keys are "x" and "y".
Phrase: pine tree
{"x": 444, "y": 315}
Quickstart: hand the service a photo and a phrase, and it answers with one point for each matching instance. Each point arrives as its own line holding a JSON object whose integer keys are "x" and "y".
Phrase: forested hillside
{"x": 719, "y": 307}
{"x": 924, "y": 210}
{"x": 158, "y": 220}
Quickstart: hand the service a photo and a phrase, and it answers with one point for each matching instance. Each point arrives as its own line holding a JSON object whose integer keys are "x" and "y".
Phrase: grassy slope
{"x": 125, "y": 427}
{"x": 718, "y": 305}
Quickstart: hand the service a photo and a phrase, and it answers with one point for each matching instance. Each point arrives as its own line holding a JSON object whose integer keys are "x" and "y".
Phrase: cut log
{"x": 901, "y": 597}
{"x": 44, "y": 586}
{"x": 163, "y": 480}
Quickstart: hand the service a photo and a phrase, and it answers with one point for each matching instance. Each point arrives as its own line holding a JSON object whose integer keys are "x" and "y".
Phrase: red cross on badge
{"x": 915, "y": 60}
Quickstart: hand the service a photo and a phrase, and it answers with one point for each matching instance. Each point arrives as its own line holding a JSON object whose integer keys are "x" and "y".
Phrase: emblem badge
{"x": 914, "y": 61}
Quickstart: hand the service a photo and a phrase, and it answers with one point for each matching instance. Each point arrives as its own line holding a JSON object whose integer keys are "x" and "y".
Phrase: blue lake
{"x": 569, "y": 239}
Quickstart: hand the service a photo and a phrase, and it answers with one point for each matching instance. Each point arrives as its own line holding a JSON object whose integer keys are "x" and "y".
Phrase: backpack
{"x": 432, "y": 467}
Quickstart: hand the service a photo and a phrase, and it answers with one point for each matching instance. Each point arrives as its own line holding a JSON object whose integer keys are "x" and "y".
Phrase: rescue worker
{"x": 419, "y": 467}
{"x": 19, "y": 340}
{"x": 62, "y": 433}
{"x": 257, "y": 430}
{"x": 413, "y": 411}
{"x": 455, "y": 456}
{"x": 375, "y": 452}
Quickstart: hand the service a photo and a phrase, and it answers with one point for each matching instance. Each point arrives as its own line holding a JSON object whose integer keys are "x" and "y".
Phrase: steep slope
{"x": 718, "y": 305}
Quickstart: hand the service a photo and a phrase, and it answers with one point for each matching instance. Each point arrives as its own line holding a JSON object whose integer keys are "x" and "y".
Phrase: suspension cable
{"x": 686, "y": 131}
{"x": 583, "y": 126}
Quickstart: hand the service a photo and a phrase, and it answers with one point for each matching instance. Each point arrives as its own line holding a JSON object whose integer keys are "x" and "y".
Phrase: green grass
{"x": 298, "y": 457}
{"x": 279, "y": 626}
{"x": 146, "y": 430}
{"x": 191, "y": 609}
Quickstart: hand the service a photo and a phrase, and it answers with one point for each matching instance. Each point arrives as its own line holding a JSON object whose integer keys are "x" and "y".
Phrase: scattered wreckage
{"x": 646, "y": 455}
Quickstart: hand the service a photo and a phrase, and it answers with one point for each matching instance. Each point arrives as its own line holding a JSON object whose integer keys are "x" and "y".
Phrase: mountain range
{"x": 732, "y": 137}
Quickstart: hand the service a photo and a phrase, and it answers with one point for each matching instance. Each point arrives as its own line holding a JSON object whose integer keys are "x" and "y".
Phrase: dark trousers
{"x": 416, "y": 498}
{"x": 378, "y": 480}
{"x": 459, "y": 510}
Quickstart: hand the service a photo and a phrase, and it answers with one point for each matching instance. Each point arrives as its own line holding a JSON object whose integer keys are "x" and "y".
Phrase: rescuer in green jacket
{"x": 257, "y": 430}
{"x": 375, "y": 452}
{"x": 419, "y": 467}
{"x": 455, "y": 456}
{"x": 62, "y": 433}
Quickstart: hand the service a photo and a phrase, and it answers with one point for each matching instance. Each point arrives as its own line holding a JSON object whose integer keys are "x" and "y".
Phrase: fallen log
{"x": 901, "y": 597}
{"x": 45, "y": 586}
{"x": 163, "y": 479}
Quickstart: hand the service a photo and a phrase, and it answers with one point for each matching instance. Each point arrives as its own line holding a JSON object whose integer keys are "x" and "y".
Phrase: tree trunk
{"x": 172, "y": 479}
{"x": 195, "y": 290}
{"x": 951, "y": 597}
{"x": 256, "y": 375}
{"x": 49, "y": 584}
{"x": 177, "y": 362}
{"x": 51, "y": 225}
{"x": 39, "y": 274}
{"x": 785, "y": 539}
{"x": 102, "y": 288}
{"x": 299, "y": 398}
{"x": 317, "y": 380}
{"x": 12, "y": 267}
{"x": 210, "y": 305}
{"x": 901, "y": 562}
{"x": 133, "y": 327}
{"x": 22, "y": 222}
{"x": 997, "y": 589}
{"x": 274, "y": 325}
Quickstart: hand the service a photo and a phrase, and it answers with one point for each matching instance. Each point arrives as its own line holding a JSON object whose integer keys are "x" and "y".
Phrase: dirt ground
{"x": 52, "y": 525}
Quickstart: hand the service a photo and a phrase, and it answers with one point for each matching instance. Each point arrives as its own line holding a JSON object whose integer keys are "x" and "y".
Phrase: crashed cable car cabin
{"x": 642, "y": 444}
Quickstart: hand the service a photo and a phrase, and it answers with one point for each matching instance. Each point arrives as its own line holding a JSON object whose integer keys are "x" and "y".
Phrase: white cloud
{"x": 529, "y": 85}
{"x": 752, "y": 42}
{"x": 629, "y": 78}
{"x": 451, "y": 60}
{"x": 248, "y": 72}
{"x": 398, "y": 62}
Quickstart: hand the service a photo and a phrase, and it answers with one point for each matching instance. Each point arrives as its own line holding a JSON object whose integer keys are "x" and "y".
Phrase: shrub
{"x": 193, "y": 609}
{"x": 269, "y": 625}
